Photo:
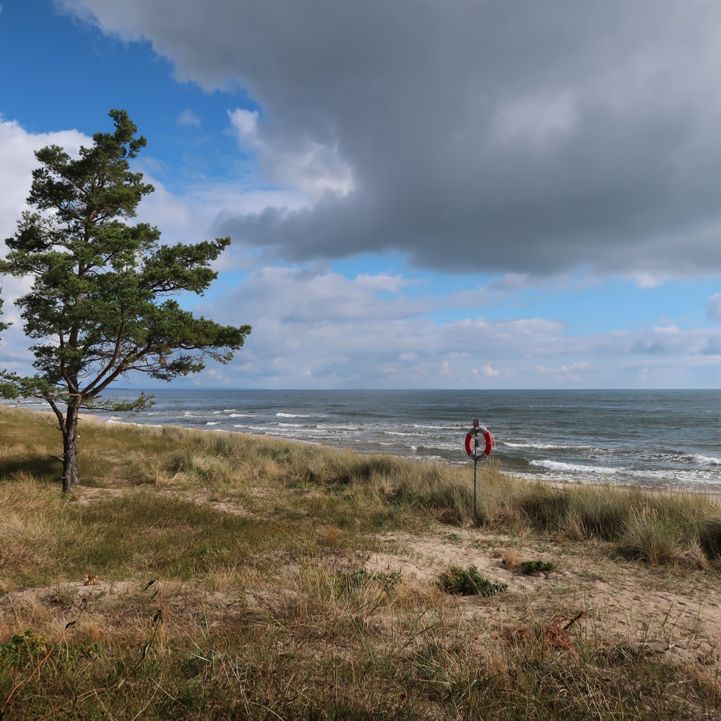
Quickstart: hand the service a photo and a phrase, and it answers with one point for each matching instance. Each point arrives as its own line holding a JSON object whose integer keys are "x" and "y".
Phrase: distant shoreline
{"x": 109, "y": 422}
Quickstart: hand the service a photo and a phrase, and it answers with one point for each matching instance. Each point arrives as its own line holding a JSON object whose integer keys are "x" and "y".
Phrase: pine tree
{"x": 101, "y": 304}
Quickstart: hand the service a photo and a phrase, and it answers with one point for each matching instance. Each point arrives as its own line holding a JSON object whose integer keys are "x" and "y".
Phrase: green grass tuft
{"x": 469, "y": 582}
{"x": 531, "y": 568}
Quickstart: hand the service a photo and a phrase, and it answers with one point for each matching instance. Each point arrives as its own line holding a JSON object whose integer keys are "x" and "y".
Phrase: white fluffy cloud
{"x": 312, "y": 168}
{"x": 316, "y": 328}
{"x": 186, "y": 218}
{"x": 17, "y": 161}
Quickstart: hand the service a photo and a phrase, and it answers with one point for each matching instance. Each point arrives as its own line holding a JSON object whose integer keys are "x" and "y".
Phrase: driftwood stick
{"x": 573, "y": 620}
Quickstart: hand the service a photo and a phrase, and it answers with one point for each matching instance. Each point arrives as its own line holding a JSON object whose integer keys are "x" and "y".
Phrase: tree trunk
{"x": 70, "y": 448}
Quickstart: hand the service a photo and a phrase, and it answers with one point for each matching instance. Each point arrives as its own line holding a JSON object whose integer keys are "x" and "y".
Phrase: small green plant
{"x": 24, "y": 647}
{"x": 531, "y": 568}
{"x": 469, "y": 582}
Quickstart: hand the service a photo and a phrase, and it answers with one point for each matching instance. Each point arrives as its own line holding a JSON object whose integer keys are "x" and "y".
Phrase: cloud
{"x": 714, "y": 307}
{"x": 189, "y": 119}
{"x": 316, "y": 328}
{"x": 313, "y": 168}
{"x": 490, "y": 372}
{"x": 481, "y": 136}
{"x": 17, "y": 161}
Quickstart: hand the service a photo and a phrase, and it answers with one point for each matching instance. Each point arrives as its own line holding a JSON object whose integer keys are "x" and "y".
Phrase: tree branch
{"x": 57, "y": 411}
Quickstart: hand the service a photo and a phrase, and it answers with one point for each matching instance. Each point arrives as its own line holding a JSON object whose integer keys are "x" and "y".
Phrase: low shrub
{"x": 532, "y": 568}
{"x": 469, "y": 582}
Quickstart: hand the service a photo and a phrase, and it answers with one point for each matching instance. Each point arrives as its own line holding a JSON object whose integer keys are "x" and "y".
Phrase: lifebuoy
{"x": 469, "y": 443}
{"x": 487, "y": 437}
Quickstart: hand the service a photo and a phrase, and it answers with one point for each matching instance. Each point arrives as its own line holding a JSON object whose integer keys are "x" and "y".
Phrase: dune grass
{"x": 231, "y": 585}
{"x": 351, "y": 490}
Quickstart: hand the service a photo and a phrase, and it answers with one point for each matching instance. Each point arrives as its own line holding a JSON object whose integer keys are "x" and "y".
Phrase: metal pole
{"x": 475, "y": 471}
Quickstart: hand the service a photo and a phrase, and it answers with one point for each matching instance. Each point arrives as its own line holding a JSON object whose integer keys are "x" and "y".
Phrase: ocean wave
{"x": 706, "y": 460}
{"x": 212, "y": 423}
{"x": 431, "y": 457}
{"x": 399, "y": 433}
{"x": 547, "y": 446}
{"x": 439, "y": 445}
{"x": 282, "y": 414}
{"x": 672, "y": 478}
{"x": 698, "y": 459}
{"x": 241, "y": 415}
{"x": 575, "y": 467}
{"x": 437, "y": 428}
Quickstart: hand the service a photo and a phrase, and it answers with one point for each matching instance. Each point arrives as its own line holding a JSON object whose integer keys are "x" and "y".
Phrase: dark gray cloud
{"x": 488, "y": 135}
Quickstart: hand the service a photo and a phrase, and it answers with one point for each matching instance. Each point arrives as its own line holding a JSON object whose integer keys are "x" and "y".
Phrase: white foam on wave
{"x": 212, "y": 423}
{"x": 399, "y": 433}
{"x": 282, "y": 414}
{"x": 697, "y": 477}
{"x": 575, "y": 467}
{"x": 546, "y": 446}
{"x": 241, "y": 415}
{"x": 431, "y": 457}
{"x": 706, "y": 460}
{"x": 436, "y": 428}
{"x": 445, "y": 446}
{"x": 698, "y": 459}
{"x": 125, "y": 423}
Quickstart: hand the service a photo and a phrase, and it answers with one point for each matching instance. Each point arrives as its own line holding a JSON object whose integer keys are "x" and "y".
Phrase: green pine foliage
{"x": 104, "y": 297}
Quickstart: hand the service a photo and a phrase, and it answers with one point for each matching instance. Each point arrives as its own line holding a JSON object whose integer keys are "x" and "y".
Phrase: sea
{"x": 668, "y": 439}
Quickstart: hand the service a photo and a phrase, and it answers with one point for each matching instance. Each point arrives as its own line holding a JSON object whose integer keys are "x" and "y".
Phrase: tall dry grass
{"x": 347, "y": 489}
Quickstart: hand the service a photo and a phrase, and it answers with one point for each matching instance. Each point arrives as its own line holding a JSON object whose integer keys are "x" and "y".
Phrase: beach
{"x": 233, "y": 571}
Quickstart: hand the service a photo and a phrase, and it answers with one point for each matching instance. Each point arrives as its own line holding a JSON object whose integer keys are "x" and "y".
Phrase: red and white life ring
{"x": 487, "y": 437}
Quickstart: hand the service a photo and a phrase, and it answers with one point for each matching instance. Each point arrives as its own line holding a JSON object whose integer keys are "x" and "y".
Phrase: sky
{"x": 420, "y": 194}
